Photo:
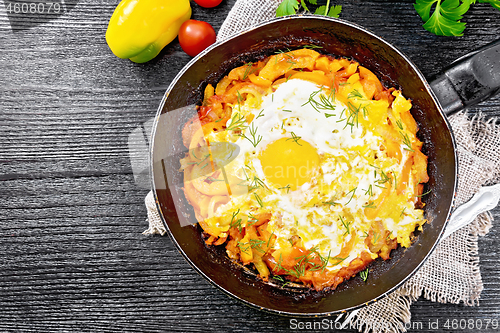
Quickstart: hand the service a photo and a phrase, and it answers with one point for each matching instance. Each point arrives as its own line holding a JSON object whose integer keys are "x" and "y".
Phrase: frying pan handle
{"x": 470, "y": 79}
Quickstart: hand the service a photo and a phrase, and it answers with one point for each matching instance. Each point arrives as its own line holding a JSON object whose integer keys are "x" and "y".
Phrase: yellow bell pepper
{"x": 139, "y": 29}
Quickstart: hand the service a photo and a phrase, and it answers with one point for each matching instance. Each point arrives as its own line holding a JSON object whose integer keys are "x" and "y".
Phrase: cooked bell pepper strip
{"x": 139, "y": 29}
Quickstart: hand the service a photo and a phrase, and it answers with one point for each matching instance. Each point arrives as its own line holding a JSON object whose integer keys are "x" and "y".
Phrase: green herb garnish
{"x": 259, "y": 200}
{"x": 345, "y": 224}
{"x": 290, "y": 7}
{"x": 364, "y": 274}
{"x": 238, "y": 123}
{"x": 254, "y": 139}
{"x": 446, "y": 15}
{"x": 295, "y": 138}
{"x": 236, "y": 222}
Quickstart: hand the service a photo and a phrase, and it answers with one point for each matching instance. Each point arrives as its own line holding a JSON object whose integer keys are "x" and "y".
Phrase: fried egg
{"x": 307, "y": 160}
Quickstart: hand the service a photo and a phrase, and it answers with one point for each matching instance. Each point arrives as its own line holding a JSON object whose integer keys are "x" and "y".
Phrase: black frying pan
{"x": 339, "y": 38}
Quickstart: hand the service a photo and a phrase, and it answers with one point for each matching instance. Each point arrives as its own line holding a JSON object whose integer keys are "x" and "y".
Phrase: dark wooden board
{"x": 71, "y": 215}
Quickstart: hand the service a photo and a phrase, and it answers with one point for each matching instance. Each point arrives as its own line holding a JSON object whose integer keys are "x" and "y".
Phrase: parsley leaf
{"x": 287, "y": 7}
{"x": 290, "y": 7}
{"x": 494, "y": 3}
{"x": 321, "y": 10}
{"x": 333, "y": 12}
{"x": 445, "y": 20}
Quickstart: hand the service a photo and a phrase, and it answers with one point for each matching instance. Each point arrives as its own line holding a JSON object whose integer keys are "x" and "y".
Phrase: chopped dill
{"x": 339, "y": 260}
{"x": 259, "y": 200}
{"x": 369, "y": 191}
{"x": 421, "y": 195}
{"x": 353, "y": 191}
{"x": 234, "y": 222}
{"x": 402, "y": 212}
{"x": 354, "y": 94}
{"x": 371, "y": 204}
{"x": 364, "y": 274}
{"x": 295, "y": 138}
{"x": 251, "y": 219}
{"x": 325, "y": 102}
{"x": 312, "y": 47}
{"x": 346, "y": 225}
{"x": 287, "y": 187}
{"x": 254, "y": 140}
{"x": 260, "y": 114}
{"x": 248, "y": 70}
{"x": 406, "y": 141}
{"x": 238, "y": 123}
{"x": 256, "y": 183}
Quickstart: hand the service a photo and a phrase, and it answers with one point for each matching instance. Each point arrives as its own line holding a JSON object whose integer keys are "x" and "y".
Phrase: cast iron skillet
{"x": 339, "y": 38}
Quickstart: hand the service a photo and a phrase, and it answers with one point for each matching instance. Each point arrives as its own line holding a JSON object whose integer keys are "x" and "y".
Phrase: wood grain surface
{"x": 72, "y": 256}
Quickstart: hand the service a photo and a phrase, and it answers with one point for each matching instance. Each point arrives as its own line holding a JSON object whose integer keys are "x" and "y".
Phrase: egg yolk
{"x": 289, "y": 163}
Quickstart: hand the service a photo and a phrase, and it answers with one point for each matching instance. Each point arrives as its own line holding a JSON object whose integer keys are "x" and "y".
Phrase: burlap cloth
{"x": 451, "y": 274}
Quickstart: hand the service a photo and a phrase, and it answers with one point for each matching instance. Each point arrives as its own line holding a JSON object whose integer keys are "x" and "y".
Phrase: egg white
{"x": 289, "y": 110}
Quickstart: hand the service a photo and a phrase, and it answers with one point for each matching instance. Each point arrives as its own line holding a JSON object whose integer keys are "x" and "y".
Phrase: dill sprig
{"x": 402, "y": 212}
{"x": 287, "y": 187}
{"x": 283, "y": 52}
{"x": 383, "y": 178}
{"x": 260, "y": 114}
{"x": 240, "y": 99}
{"x": 238, "y": 123}
{"x": 370, "y": 204}
{"x": 364, "y": 274}
{"x": 406, "y": 138}
{"x": 339, "y": 260}
{"x": 254, "y": 139}
{"x": 369, "y": 191}
{"x": 324, "y": 103}
{"x": 256, "y": 243}
{"x": 312, "y": 47}
{"x": 312, "y": 101}
{"x": 346, "y": 225}
{"x": 248, "y": 70}
{"x": 352, "y": 195}
{"x": 324, "y": 262}
{"x": 421, "y": 195}
{"x": 234, "y": 222}
{"x": 251, "y": 219}
{"x": 354, "y": 94}
{"x": 259, "y": 200}
{"x": 406, "y": 141}
{"x": 269, "y": 240}
{"x": 295, "y": 138}
{"x": 257, "y": 183}
{"x": 353, "y": 117}
{"x": 331, "y": 202}
{"x": 244, "y": 247}
{"x": 279, "y": 278}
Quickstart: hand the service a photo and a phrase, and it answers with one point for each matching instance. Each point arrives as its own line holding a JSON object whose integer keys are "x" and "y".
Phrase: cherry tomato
{"x": 208, "y": 3}
{"x": 195, "y": 36}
